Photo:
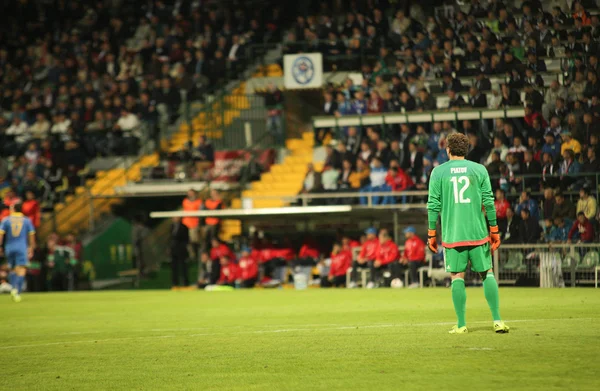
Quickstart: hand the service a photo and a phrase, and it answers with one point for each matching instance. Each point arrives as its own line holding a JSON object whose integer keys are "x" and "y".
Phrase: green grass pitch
{"x": 298, "y": 340}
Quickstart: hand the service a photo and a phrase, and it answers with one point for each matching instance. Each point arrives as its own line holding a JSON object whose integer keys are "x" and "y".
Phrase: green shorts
{"x": 456, "y": 259}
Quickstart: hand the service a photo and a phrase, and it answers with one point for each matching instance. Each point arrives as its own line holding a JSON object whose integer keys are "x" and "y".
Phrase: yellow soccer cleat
{"x": 458, "y": 330}
{"x": 500, "y": 328}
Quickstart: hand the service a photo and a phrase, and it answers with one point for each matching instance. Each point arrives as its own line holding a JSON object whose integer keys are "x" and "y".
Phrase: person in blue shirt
{"x": 527, "y": 203}
{"x": 559, "y": 232}
{"x": 552, "y": 146}
{"x": 20, "y": 243}
{"x": 359, "y": 104}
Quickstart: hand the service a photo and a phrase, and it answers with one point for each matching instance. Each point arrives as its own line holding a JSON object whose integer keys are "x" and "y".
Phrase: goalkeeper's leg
{"x": 456, "y": 264}
{"x": 481, "y": 261}
{"x": 490, "y": 289}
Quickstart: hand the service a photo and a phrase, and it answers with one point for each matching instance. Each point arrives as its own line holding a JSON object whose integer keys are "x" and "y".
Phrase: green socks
{"x": 490, "y": 289}
{"x": 459, "y": 298}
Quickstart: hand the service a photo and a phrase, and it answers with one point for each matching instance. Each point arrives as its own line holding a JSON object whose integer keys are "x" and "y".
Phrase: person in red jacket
{"x": 398, "y": 180}
{"x": 531, "y": 115}
{"x": 217, "y": 251}
{"x": 414, "y": 255}
{"x": 367, "y": 254}
{"x": 349, "y": 244}
{"x": 248, "y": 269}
{"x": 230, "y": 272}
{"x": 583, "y": 228}
{"x": 31, "y": 208}
{"x": 502, "y": 205}
{"x": 386, "y": 256}
{"x": 341, "y": 260}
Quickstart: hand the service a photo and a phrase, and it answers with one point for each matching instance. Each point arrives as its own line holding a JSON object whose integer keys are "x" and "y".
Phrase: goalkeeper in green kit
{"x": 459, "y": 190}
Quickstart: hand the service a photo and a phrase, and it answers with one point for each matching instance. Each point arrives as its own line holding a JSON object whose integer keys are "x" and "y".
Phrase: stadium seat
{"x": 514, "y": 262}
{"x": 570, "y": 260}
{"x": 589, "y": 261}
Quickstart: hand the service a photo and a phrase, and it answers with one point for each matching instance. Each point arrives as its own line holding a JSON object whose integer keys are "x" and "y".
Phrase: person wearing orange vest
{"x": 212, "y": 224}
{"x": 189, "y": 204}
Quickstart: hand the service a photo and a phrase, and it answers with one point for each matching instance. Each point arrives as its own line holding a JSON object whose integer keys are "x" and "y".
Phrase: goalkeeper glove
{"x": 494, "y": 238}
{"x": 432, "y": 241}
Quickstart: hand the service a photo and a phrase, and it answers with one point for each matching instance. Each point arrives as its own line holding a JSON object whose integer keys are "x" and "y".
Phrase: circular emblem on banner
{"x": 303, "y": 70}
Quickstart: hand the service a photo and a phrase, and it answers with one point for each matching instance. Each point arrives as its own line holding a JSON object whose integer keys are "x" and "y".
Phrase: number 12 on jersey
{"x": 459, "y": 194}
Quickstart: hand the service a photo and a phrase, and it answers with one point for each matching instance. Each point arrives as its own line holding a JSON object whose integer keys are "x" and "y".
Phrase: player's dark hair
{"x": 458, "y": 144}
{"x": 18, "y": 207}
{"x": 580, "y": 214}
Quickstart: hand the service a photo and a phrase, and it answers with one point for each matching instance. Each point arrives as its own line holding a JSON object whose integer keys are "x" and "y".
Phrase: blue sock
{"x": 19, "y": 281}
{"x": 11, "y": 280}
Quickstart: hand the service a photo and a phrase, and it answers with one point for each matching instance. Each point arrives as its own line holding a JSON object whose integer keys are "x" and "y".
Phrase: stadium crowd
{"x": 408, "y": 62}
{"x": 87, "y": 79}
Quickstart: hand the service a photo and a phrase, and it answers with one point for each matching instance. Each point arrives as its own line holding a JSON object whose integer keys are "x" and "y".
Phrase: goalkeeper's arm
{"x": 490, "y": 211}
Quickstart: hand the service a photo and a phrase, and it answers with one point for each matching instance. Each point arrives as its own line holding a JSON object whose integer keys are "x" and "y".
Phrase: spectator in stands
{"x": 551, "y": 146}
{"x": 329, "y": 178}
{"x": 582, "y": 230}
{"x": 333, "y": 158}
{"x": 376, "y": 182}
{"x": 591, "y": 164}
{"x": 563, "y": 208}
{"x": 312, "y": 181}
{"x": 40, "y": 128}
{"x": 555, "y": 231}
{"x": 502, "y": 205}
{"x": 128, "y": 124}
{"x": 568, "y": 142}
{"x": 568, "y": 168}
{"x": 274, "y": 103}
{"x": 526, "y": 202}
{"x": 204, "y": 156}
{"x": 179, "y": 253}
{"x": 529, "y": 228}
{"x": 341, "y": 260}
{"x": 387, "y": 254}
{"x": 532, "y": 169}
{"x": 361, "y": 176}
{"x": 587, "y": 205}
{"x": 413, "y": 255}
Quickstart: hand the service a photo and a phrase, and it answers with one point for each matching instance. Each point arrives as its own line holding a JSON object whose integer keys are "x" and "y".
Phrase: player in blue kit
{"x": 20, "y": 243}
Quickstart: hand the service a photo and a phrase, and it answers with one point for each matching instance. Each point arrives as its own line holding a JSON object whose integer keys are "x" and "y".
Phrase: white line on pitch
{"x": 285, "y": 331}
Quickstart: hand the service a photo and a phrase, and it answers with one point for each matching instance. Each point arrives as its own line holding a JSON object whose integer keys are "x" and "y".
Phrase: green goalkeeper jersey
{"x": 460, "y": 190}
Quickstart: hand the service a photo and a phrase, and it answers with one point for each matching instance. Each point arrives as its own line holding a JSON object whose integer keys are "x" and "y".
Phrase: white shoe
{"x": 352, "y": 285}
{"x": 413, "y": 285}
{"x": 370, "y": 285}
{"x": 15, "y": 295}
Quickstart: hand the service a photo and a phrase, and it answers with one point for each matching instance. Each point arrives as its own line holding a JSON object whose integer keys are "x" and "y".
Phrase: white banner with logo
{"x": 303, "y": 70}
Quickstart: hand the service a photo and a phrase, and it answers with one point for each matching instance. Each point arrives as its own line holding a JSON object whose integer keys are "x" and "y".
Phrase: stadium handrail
{"x": 416, "y": 117}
